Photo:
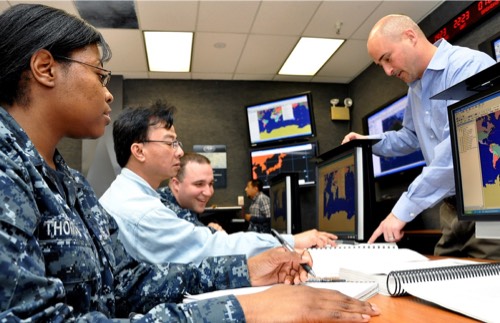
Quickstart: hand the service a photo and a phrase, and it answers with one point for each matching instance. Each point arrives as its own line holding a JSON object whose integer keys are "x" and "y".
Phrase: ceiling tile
{"x": 227, "y": 16}
{"x": 350, "y": 14}
{"x": 253, "y": 77}
{"x": 167, "y": 15}
{"x": 4, "y": 5}
{"x": 129, "y": 55}
{"x": 417, "y": 10}
{"x": 209, "y": 56}
{"x": 341, "y": 65}
{"x": 284, "y": 17}
{"x": 265, "y": 54}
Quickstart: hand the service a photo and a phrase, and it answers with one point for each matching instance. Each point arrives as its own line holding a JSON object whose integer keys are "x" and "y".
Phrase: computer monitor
{"x": 475, "y": 142}
{"x": 285, "y": 203}
{"x": 385, "y": 118}
{"x": 291, "y": 158}
{"x": 281, "y": 120}
{"x": 345, "y": 191}
{"x": 491, "y": 46}
{"x": 496, "y": 48}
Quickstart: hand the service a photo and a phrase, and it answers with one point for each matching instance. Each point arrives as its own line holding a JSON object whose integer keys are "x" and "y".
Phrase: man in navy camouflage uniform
{"x": 59, "y": 260}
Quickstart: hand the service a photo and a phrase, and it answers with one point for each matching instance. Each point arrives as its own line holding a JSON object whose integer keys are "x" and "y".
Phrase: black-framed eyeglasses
{"x": 174, "y": 144}
{"x": 104, "y": 78}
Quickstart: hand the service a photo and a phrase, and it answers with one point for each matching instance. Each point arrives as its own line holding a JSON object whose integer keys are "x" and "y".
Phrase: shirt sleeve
{"x": 161, "y": 237}
{"x": 141, "y": 287}
{"x": 220, "y": 309}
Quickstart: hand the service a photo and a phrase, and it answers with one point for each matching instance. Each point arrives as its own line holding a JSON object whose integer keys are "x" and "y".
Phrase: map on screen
{"x": 284, "y": 121}
{"x": 476, "y": 136}
{"x": 488, "y": 135}
{"x": 267, "y": 163}
{"x": 281, "y": 120}
{"x": 336, "y": 185}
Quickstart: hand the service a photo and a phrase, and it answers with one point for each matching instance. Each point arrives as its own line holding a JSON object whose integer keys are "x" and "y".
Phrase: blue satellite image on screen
{"x": 395, "y": 122}
{"x": 274, "y": 119}
{"x": 339, "y": 194}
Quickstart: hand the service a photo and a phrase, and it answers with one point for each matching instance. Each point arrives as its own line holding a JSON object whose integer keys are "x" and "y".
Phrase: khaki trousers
{"x": 458, "y": 238}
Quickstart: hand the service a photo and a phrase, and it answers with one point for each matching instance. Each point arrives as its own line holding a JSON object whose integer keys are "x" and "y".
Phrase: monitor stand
{"x": 488, "y": 230}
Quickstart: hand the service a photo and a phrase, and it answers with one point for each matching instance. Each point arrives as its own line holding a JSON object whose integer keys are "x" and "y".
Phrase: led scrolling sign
{"x": 466, "y": 19}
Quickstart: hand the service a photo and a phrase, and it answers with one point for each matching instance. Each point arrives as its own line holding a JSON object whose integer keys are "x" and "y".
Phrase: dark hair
{"x": 27, "y": 28}
{"x": 190, "y": 157}
{"x": 133, "y": 124}
{"x": 257, "y": 183}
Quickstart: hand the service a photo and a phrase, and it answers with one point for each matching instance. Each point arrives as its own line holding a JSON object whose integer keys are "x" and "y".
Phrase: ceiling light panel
{"x": 309, "y": 55}
{"x": 168, "y": 51}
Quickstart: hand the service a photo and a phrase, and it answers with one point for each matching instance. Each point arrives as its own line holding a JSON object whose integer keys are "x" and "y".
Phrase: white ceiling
{"x": 258, "y": 35}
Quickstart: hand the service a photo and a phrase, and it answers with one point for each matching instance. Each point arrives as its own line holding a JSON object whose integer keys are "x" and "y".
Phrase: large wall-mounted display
{"x": 281, "y": 120}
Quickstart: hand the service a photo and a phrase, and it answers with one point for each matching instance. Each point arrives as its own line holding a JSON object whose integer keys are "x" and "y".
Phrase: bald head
{"x": 393, "y": 27}
{"x": 399, "y": 46}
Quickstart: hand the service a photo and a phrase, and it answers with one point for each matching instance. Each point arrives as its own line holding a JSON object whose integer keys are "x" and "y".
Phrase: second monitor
{"x": 285, "y": 203}
{"x": 345, "y": 191}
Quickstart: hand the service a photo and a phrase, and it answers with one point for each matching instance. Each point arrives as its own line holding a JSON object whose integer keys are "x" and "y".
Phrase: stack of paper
{"x": 328, "y": 261}
{"x": 359, "y": 290}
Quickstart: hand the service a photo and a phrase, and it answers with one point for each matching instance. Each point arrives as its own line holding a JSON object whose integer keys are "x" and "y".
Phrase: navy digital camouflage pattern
{"x": 60, "y": 260}
{"x": 170, "y": 201}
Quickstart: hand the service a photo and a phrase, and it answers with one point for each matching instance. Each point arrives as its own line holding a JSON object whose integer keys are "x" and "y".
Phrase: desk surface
{"x": 411, "y": 309}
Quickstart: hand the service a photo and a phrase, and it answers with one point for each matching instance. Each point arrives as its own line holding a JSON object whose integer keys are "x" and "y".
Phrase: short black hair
{"x": 257, "y": 183}
{"x": 27, "y": 28}
{"x": 133, "y": 124}
{"x": 191, "y": 157}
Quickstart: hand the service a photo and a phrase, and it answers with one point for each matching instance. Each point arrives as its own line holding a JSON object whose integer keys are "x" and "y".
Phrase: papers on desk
{"x": 467, "y": 287}
{"x": 470, "y": 289}
{"x": 476, "y": 297}
{"x": 328, "y": 261}
{"x": 359, "y": 290}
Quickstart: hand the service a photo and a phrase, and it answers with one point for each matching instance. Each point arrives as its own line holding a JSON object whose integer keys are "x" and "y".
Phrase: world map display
{"x": 266, "y": 166}
{"x": 337, "y": 196}
{"x": 284, "y": 121}
{"x": 488, "y": 136}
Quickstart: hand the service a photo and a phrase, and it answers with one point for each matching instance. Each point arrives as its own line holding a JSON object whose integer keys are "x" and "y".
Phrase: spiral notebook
{"x": 472, "y": 290}
{"x": 378, "y": 271}
{"x": 328, "y": 261}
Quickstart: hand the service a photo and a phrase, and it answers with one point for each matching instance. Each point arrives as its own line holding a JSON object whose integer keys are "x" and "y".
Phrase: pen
{"x": 289, "y": 248}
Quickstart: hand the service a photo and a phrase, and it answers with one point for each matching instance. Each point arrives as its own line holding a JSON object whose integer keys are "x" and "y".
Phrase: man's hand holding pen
{"x": 278, "y": 265}
{"x": 287, "y": 246}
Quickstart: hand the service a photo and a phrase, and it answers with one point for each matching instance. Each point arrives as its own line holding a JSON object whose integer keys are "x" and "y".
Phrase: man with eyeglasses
{"x": 149, "y": 154}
